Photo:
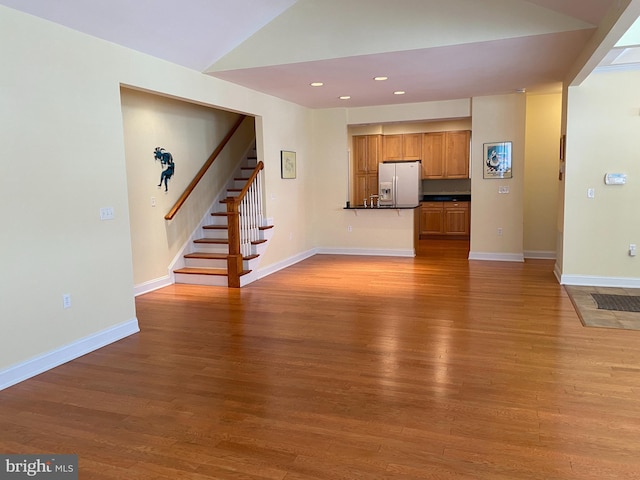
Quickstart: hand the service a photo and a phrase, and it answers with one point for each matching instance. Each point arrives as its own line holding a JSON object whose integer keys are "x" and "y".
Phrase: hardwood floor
{"x": 348, "y": 368}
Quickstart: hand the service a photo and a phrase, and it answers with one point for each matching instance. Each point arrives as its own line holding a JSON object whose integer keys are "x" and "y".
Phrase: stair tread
{"x": 202, "y": 271}
{"x": 215, "y": 256}
{"x": 218, "y": 241}
{"x": 216, "y": 227}
{"x": 206, "y": 271}
{"x": 266, "y": 227}
{"x": 207, "y": 255}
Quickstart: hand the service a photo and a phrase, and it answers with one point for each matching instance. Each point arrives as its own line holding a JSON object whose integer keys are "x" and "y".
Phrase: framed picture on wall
{"x": 287, "y": 164}
{"x": 497, "y": 160}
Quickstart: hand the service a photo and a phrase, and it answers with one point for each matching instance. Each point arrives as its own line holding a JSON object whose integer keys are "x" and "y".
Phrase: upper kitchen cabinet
{"x": 446, "y": 154}
{"x": 367, "y": 153}
{"x": 456, "y": 155}
{"x": 433, "y": 153}
{"x": 402, "y": 147}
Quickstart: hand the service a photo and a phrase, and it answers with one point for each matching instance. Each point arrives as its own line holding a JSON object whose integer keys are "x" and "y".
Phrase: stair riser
{"x": 205, "y": 263}
{"x": 215, "y": 233}
{"x": 250, "y": 163}
{"x": 212, "y": 280}
{"x": 216, "y": 220}
{"x": 210, "y": 248}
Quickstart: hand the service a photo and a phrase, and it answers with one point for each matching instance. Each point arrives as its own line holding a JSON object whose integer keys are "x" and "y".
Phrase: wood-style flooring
{"x": 350, "y": 368}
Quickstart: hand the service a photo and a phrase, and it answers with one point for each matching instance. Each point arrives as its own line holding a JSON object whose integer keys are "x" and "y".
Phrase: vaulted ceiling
{"x": 429, "y": 49}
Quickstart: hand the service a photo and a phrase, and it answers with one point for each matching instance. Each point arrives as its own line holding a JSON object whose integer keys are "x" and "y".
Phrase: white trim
{"x": 617, "y": 67}
{"x": 264, "y": 272}
{"x": 542, "y": 254}
{"x": 152, "y": 285}
{"x": 376, "y": 252}
{"x": 593, "y": 281}
{"x": 557, "y": 272}
{"x": 42, "y": 363}
{"x": 499, "y": 257}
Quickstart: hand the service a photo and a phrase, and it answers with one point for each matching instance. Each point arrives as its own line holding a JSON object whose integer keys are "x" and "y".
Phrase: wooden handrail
{"x": 203, "y": 170}
{"x": 238, "y": 198}
{"x": 234, "y": 259}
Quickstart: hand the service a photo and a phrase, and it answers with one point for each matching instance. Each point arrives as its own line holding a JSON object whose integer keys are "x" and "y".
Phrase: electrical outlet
{"x": 349, "y": 228}
{"x": 106, "y": 213}
{"x": 632, "y": 249}
{"x": 66, "y": 301}
{"x": 503, "y": 189}
{"x": 153, "y": 201}
{"x": 591, "y": 193}
{"x": 499, "y": 232}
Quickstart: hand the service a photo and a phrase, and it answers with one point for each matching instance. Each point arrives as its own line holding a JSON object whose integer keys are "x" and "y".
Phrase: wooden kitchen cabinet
{"x": 445, "y": 219}
{"x": 367, "y": 151}
{"x": 433, "y": 153}
{"x": 456, "y": 163}
{"x": 402, "y": 147}
{"x": 446, "y": 154}
{"x": 456, "y": 218}
{"x": 431, "y": 218}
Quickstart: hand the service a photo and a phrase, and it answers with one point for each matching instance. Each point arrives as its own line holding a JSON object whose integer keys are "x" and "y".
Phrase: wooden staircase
{"x": 215, "y": 251}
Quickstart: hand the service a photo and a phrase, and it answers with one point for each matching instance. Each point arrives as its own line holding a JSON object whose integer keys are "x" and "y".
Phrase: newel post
{"x": 234, "y": 260}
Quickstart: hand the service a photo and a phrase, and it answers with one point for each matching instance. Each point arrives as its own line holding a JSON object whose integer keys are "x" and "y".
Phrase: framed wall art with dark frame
{"x": 497, "y": 160}
{"x": 287, "y": 164}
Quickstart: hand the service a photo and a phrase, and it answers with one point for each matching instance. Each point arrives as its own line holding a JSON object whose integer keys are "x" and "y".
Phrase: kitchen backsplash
{"x": 462, "y": 185}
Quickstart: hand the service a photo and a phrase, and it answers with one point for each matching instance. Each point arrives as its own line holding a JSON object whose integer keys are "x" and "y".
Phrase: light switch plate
{"x": 106, "y": 213}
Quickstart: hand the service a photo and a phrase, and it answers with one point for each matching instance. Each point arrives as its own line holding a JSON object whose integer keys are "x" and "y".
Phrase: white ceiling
{"x": 431, "y": 49}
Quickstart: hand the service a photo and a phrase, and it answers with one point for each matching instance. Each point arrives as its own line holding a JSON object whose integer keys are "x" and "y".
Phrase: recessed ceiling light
{"x": 345, "y": 97}
{"x": 317, "y": 84}
{"x": 399, "y": 92}
{"x": 521, "y": 90}
{"x": 380, "y": 79}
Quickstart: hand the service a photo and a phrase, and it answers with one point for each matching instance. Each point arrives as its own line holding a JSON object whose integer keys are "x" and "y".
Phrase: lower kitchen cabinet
{"x": 445, "y": 218}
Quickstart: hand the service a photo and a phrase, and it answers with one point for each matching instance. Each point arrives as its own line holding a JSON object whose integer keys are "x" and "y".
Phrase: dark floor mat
{"x": 621, "y": 303}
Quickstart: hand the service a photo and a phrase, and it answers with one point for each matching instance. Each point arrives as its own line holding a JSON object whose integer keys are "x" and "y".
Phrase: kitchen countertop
{"x": 447, "y": 197}
{"x": 381, "y": 207}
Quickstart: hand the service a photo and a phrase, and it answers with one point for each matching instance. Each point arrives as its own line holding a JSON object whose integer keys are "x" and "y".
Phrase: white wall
{"x": 603, "y": 122}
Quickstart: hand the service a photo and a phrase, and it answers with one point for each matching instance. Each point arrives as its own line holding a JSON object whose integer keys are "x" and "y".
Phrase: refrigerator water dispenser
{"x": 386, "y": 191}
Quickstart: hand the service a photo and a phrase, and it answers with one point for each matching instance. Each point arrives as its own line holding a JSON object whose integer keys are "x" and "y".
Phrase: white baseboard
{"x": 541, "y": 254}
{"x": 264, "y": 272}
{"x": 498, "y": 257}
{"x": 594, "y": 281}
{"x": 152, "y": 285}
{"x": 375, "y": 252}
{"x": 42, "y": 363}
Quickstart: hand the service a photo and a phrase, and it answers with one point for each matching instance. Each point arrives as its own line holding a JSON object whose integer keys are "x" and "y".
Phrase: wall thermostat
{"x": 615, "y": 179}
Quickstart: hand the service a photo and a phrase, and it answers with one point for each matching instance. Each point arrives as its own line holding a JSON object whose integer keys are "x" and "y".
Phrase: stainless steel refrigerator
{"x": 399, "y": 184}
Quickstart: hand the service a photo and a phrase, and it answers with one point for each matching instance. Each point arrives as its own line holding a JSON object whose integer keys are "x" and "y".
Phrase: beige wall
{"x": 61, "y": 118}
{"x": 497, "y": 119}
{"x": 190, "y": 133}
{"x": 541, "y": 174}
{"x": 602, "y": 136}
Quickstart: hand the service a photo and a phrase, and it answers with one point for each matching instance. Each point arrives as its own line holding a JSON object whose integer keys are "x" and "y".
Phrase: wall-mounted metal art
{"x": 166, "y": 160}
